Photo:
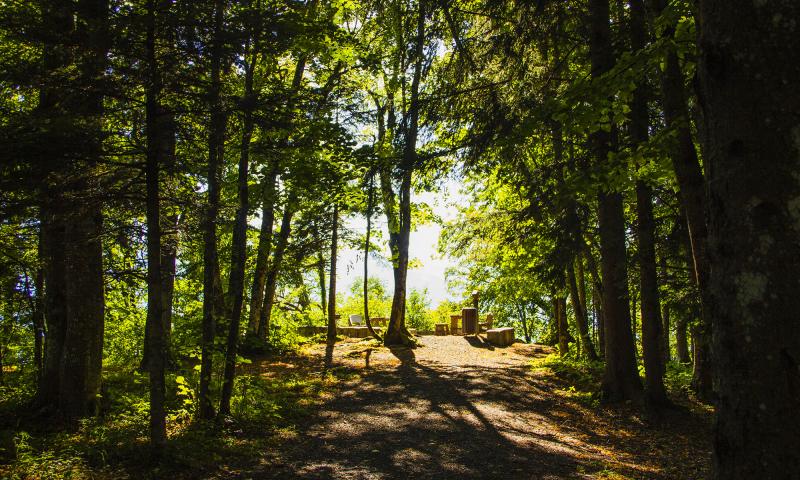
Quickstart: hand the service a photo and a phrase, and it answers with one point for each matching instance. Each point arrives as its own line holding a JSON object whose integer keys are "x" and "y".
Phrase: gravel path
{"x": 457, "y": 407}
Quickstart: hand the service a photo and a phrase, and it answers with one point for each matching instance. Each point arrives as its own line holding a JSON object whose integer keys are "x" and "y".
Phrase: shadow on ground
{"x": 435, "y": 419}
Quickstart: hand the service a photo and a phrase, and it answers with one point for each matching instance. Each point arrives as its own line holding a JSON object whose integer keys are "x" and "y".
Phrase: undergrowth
{"x": 582, "y": 378}
{"x": 115, "y": 445}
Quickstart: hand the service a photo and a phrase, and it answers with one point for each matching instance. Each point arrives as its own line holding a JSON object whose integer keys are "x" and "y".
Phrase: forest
{"x": 179, "y": 180}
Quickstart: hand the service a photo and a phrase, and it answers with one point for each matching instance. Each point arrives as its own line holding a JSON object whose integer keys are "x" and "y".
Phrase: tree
{"x": 747, "y": 53}
{"x": 652, "y": 344}
{"x": 621, "y": 380}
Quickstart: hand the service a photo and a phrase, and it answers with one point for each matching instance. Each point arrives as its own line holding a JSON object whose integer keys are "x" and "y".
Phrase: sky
{"x": 423, "y": 247}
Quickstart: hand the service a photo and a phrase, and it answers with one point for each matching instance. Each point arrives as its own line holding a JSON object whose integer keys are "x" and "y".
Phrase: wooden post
{"x": 469, "y": 321}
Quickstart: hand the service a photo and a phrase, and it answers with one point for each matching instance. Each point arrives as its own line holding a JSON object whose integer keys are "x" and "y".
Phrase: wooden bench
{"x": 502, "y": 337}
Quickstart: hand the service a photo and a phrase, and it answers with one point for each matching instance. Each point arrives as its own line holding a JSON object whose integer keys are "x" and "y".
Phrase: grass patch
{"x": 580, "y": 380}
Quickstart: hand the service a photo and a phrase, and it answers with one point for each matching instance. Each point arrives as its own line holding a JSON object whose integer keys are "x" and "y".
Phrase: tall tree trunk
{"x": 56, "y": 55}
{"x": 81, "y": 363}
{"x": 621, "y": 378}
{"x": 597, "y": 302}
{"x": 275, "y": 266}
{"x": 682, "y": 341}
{"x": 331, "y": 336}
{"x": 652, "y": 344}
{"x": 523, "y": 318}
{"x": 38, "y": 315}
{"x": 581, "y": 317}
{"x": 370, "y": 197}
{"x": 323, "y": 296}
{"x": 560, "y": 309}
{"x": 692, "y": 195}
{"x": 581, "y": 276}
{"x": 55, "y": 301}
{"x": 216, "y": 150}
{"x": 154, "y": 336}
{"x": 169, "y": 257}
{"x": 748, "y": 52}
{"x": 239, "y": 248}
{"x": 82, "y": 357}
{"x": 264, "y": 248}
{"x": 396, "y": 331}
{"x": 665, "y": 316}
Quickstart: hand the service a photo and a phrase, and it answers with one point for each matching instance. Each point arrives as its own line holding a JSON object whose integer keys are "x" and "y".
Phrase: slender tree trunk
{"x": 38, "y": 317}
{"x": 581, "y": 277}
{"x": 652, "y": 344}
{"x": 331, "y": 336}
{"x": 370, "y": 196}
{"x": 154, "y": 336}
{"x": 581, "y": 317}
{"x": 216, "y": 149}
{"x": 682, "y": 341}
{"x": 597, "y": 301}
{"x": 239, "y": 248}
{"x": 652, "y": 340}
{"x": 169, "y": 257}
{"x": 264, "y": 248}
{"x": 524, "y": 320}
{"x": 563, "y": 325}
{"x": 692, "y": 195}
{"x": 275, "y": 266}
{"x": 665, "y": 316}
{"x": 323, "y": 296}
{"x": 621, "y": 379}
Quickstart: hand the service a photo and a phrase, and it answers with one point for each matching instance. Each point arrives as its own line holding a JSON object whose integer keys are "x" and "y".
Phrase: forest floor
{"x": 457, "y": 407}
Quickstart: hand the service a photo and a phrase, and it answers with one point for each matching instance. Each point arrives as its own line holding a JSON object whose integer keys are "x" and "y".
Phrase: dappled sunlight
{"x": 451, "y": 407}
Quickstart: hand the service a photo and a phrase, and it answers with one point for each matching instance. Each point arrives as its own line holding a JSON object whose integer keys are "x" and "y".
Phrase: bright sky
{"x": 422, "y": 248}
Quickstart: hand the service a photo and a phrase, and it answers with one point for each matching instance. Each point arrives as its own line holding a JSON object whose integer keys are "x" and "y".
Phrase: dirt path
{"x": 457, "y": 407}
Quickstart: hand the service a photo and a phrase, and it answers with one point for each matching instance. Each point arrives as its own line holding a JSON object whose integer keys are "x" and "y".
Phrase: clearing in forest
{"x": 457, "y": 407}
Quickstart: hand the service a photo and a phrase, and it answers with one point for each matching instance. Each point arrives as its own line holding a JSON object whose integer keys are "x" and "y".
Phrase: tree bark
{"x": 621, "y": 378}
{"x": 682, "y": 342}
{"x": 154, "y": 331}
{"x": 275, "y": 266}
{"x": 331, "y": 336}
{"x": 693, "y": 198}
{"x": 216, "y": 150}
{"x": 38, "y": 320}
{"x": 264, "y": 248}
{"x": 396, "y": 331}
{"x": 370, "y": 196}
{"x": 524, "y": 320}
{"x": 81, "y": 363}
{"x": 323, "y": 296}
{"x": 652, "y": 344}
{"x": 239, "y": 247}
{"x": 597, "y": 302}
{"x": 665, "y": 316}
{"x": 748, "y": 52}
{"x": 581, "y": 317}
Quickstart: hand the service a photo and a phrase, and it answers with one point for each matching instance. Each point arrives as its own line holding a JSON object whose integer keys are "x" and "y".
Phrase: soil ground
{"x": 457, "y": 407}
